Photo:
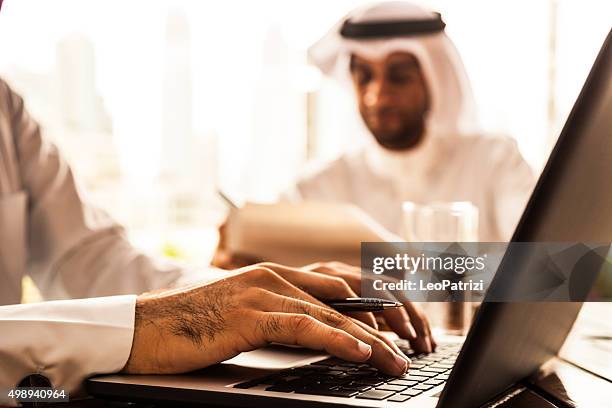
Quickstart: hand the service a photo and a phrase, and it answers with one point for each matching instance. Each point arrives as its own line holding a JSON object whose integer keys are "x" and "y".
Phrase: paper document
{"x": 302, "y": 233}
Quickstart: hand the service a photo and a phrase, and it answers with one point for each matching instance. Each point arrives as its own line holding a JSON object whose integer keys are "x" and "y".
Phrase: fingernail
{"x": 401, "y": 363}
{"x": 364, "y": 349}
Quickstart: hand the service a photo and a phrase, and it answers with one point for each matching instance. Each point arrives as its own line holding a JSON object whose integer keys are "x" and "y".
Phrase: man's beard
{"x": 405, "y": 139}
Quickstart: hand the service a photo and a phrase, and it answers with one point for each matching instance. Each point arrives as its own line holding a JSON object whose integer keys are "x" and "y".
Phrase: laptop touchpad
{"x": 276, "y": 357}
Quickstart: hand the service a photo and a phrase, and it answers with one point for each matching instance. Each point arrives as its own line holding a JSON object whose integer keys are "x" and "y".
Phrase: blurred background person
{"x": 423, "y": 141}
{"x": 418, "y": 118}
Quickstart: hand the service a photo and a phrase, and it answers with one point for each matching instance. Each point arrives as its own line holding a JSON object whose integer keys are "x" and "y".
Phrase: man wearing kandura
{"x": 97, "y": 318}
{"x": 418, "y": 120}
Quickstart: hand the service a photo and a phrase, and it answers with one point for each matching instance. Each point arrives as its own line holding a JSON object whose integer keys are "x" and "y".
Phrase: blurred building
{"x": 188, "y": 161}
{"x": 279, "y": 121}
{"x": 82, "y": 126}
{"x": 177, "y": 122}
{"x": 81, "y": 107}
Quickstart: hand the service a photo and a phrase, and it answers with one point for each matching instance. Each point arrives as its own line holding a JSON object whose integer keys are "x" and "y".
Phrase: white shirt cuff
{"x": 66, "y": 340}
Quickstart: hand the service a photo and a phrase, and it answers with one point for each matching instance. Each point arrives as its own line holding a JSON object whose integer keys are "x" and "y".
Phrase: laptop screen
{"x": 570, "y": 203}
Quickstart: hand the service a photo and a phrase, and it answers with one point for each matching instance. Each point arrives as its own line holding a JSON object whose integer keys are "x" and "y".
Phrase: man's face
{"x": 392, "y": 97}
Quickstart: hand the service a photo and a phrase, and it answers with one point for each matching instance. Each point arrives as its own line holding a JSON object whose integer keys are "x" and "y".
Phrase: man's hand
{"x": 224, "y": 259}
{"x": 408, "y": 322}
{"x": 185, "y": 329}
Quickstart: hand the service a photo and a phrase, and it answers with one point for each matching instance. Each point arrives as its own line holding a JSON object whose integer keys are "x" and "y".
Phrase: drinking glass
{"x": 443, "y": 222}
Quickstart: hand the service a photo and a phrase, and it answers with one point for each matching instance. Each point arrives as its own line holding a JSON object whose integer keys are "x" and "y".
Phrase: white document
{"x": 297, "y": 234}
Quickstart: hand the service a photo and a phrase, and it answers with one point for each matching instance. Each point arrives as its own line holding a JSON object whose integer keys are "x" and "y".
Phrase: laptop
{"x": 507, "y": 341}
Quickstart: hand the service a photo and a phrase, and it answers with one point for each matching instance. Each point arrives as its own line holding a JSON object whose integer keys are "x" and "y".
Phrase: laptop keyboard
{"x": 339, "y": 378}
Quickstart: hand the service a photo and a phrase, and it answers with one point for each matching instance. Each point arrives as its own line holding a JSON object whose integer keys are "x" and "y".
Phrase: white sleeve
{"x": 75, "y": 250}
{"x": 66, "y": 341}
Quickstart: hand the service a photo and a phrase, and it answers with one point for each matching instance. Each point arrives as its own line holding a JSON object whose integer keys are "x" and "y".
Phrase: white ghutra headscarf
{"x": 452, "y": 111}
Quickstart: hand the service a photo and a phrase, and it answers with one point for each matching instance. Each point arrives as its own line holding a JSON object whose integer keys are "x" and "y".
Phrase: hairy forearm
{"x": 166, "y": 320}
